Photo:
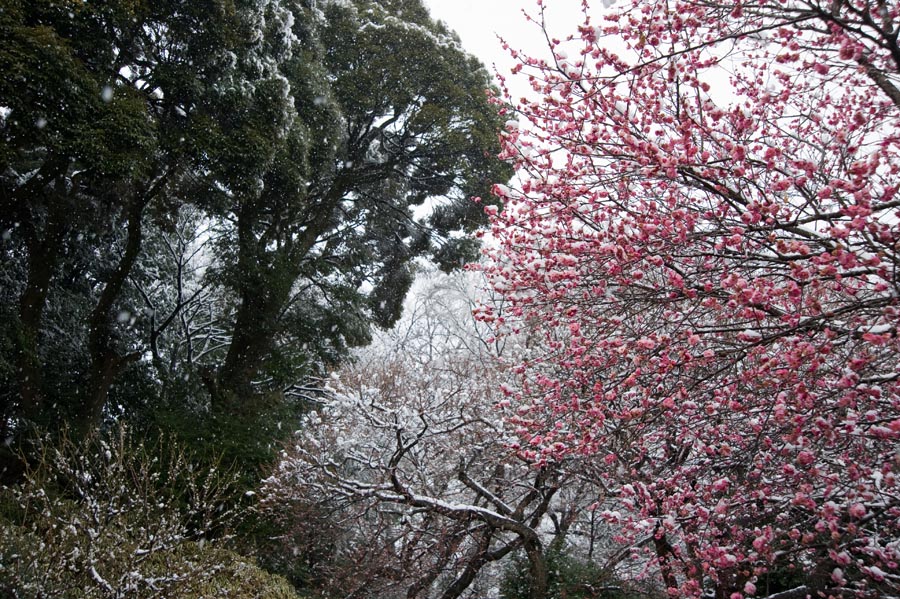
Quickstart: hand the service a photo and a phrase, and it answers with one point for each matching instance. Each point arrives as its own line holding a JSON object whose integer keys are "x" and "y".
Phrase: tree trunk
{"x": 106, "y": 360}
{"x": 266, "y": 278}
{"x": 476, "y": 562}
{"x": 251, "y": 342}
{"x": 43, "y": 257}
{"x": 540, "y": 574}
{"x": 664, "y": 554}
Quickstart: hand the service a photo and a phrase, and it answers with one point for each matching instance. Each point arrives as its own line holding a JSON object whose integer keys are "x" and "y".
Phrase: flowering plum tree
{"x": 705, "y": 232}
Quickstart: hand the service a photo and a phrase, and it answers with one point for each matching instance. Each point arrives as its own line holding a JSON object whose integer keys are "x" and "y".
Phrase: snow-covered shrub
{"x": 237, "y": 577}
{"x": 112, "y": 517}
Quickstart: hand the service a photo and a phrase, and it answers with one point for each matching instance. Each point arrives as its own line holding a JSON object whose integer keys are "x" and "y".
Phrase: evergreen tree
{"x": 320, "y": 149}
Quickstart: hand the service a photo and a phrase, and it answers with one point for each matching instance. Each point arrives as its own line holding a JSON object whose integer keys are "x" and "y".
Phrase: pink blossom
{"x": 646, "y": 343}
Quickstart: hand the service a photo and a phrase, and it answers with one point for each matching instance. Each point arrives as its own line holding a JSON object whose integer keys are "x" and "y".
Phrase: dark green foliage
{"x": 89, "y": 142}
{"x": 306, "y": 147}
{"x": 570, "y": 578}
{"x": 247, "y": 445}
{"x": 304, "y": 542}
{"x": 784, "y": 578}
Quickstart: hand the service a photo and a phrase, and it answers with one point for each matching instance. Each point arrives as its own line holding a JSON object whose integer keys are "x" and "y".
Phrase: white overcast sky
{"x": 478, "y": 22}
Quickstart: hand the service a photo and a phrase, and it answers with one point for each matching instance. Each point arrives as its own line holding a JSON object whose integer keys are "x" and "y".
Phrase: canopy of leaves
{"x": 222, "y": 191}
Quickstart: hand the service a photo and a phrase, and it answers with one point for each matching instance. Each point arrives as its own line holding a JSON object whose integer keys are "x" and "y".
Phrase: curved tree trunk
{"x": 264, "y": 284}
{"x": 477, "y": 561}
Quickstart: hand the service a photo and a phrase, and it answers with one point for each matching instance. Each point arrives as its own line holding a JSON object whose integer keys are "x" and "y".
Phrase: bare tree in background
{"x": 412, "y": 456}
